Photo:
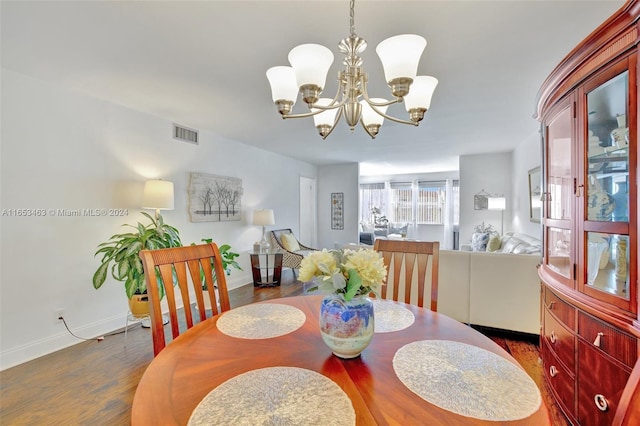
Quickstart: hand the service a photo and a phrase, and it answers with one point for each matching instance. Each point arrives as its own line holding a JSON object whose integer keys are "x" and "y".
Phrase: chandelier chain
{"x": 352, "y": 25}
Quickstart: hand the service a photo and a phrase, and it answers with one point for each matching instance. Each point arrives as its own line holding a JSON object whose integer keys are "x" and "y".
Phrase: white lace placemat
{"x": 390, "y": 316}
{"x": 467, "y": 380}
{"x": 261, "y": 321}
{"x": 276, "y": 396}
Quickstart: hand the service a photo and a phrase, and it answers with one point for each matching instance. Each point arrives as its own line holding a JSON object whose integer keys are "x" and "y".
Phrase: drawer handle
{"x": 553, "y": 337}
{"x": 553, "y": 371}
{"x": 601, "y": 402}
{"x": 597, "y": 342}
{"x": 550, "y": 306}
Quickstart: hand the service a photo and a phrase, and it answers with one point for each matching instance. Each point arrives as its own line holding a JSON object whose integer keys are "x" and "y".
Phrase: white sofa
{"x": 498, "y": 290}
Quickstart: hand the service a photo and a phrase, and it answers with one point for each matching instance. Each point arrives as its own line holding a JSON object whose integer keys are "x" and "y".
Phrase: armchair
{"x": 285, "y": 242}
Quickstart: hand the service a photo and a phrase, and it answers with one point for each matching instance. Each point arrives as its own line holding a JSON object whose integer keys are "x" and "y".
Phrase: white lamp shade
{"x": 326, "y": 117}
{"x": 420, "y": 93}
{"x": 400, "y": 55}
{"x": 158, "y": 194}
{"x": 369, "y": 116}
{"x": 497, "y": 203}
{"x": 263, "y": 217}
{"x": 283, "y": 83}
{"x": 311, "y": 64}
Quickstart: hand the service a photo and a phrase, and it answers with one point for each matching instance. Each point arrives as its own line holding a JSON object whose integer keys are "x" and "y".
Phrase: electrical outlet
{"x": 59, "y": 314}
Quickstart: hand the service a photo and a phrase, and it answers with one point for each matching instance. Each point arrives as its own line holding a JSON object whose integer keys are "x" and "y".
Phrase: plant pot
{"x": 207, "y": 302}
{"x": 139, "y": 305}
{"x": 346, "y": 327}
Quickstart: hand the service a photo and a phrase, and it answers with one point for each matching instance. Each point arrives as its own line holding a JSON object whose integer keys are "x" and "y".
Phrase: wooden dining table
{"x": 204, "y": 357}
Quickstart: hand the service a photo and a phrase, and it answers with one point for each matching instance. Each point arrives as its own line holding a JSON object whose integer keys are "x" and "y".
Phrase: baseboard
{"x": 510, "y": 334}
{"x": 58, "y": 341}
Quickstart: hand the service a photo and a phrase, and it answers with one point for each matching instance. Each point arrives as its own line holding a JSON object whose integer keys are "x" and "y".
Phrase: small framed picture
{"x": 337, "y": 210}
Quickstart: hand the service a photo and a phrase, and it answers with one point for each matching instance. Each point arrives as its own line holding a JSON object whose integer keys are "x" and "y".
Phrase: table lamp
{"x": 158, "y": 195}
{"x": 498, "y": 203}
{"x": 263, "y": 218}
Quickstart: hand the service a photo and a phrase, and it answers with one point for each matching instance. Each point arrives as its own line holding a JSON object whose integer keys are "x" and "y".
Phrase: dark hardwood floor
{"x": 94, "y": 382}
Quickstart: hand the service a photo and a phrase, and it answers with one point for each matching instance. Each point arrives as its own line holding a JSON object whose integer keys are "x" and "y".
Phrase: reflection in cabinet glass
{"x": 607, "y": 151}
{"x": 607, "y": 263}
{"x": 559, "y": 250}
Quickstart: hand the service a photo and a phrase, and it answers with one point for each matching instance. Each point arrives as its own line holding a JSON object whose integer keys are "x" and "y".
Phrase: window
{"x": 431, "y": 203}
{"x": 371, "y": 196}
{"x": 455, "y": 195}
{"x": 417, "y": 202}
{"x": 401, "y": 202}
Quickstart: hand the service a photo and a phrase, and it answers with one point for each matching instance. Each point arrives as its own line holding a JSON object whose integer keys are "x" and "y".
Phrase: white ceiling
{"x": 202, "y": 64}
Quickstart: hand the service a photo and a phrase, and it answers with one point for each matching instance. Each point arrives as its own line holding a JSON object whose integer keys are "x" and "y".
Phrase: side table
{"x": 264, "y": 263}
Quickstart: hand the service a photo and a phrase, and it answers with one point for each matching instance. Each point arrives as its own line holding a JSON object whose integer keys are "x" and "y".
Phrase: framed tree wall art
{"x": 214, "y": 198}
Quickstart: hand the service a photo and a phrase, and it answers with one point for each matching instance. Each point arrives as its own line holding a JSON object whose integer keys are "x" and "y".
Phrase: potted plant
{"x": 228, "y": 261}
{"x": 121, "y": 254}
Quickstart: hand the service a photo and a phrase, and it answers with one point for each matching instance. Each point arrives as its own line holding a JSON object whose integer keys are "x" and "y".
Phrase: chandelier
{"x": 308, "y": 73}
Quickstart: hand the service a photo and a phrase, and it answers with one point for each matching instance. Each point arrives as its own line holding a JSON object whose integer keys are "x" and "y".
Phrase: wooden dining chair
{"x": 170, "y": 265}
{"x": 403, "y": 258}
{"x": 628, "y": 411}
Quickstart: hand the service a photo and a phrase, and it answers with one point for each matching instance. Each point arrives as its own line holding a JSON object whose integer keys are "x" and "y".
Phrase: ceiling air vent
{"x": 185, "y": 134}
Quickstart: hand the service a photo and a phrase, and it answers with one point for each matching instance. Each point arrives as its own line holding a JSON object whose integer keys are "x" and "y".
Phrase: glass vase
{"x": 346, "y": 327}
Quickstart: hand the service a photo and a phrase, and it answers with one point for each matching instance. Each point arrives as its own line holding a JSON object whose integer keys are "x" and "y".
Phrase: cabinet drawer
{"x": 560, "y": 340}
{"x": 600, "y": 380}
{"x": 561, "y": 309}
{"x": 562, "y": 382}
{"x": 613, "y": 342}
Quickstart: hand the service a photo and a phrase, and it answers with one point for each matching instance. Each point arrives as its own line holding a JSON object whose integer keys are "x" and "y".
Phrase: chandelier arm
{"x": 373, "y": 105}
{"x": 388, "y": 117}
{"x": 365, "y": 95}
{"x": 303, "y": 114}
{"x": 320, "y": 108}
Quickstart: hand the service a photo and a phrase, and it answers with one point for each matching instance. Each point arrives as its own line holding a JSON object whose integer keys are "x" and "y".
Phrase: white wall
{"x": 64, "y": 150}
{"x": 526, "y": 156}
{"x": 493, "y": 174}
{"x": 337, "y": 178}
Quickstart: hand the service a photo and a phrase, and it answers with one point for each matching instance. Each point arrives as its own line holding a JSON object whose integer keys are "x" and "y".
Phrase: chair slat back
{"x": 412, "y": 266}
{"x": 187, "y": 268}
{"x": 628, "y": 411}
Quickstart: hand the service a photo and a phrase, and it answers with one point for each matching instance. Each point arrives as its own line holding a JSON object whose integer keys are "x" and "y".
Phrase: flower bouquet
{"x": 345, "y": 272}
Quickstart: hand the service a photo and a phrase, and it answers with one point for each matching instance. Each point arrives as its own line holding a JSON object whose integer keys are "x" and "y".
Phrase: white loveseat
{"x": 498, "y": 290}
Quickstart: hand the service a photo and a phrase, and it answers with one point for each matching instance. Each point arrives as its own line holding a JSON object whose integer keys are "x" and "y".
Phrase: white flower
{"x": 347, "y": 272}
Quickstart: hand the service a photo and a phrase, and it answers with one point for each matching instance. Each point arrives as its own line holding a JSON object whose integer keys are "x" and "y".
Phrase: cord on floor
{"x": 99, "y": 338}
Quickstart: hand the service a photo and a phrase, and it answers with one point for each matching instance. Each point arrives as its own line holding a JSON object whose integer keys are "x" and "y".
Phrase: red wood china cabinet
{"x": 588, "y": 108}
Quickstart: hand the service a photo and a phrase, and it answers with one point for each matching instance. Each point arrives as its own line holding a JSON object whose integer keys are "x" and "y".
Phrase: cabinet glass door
{"x": 608, "y": 151}
{"x": 608, "y": 253}
{"x": 559, "y": 195}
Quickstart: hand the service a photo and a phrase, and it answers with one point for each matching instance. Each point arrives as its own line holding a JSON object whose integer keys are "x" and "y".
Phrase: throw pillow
{"x": 494, "y": 243}
{"x": 479, "y": 241}
{"x": 511, "y": 245}
{"x": 289, "y": 242}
